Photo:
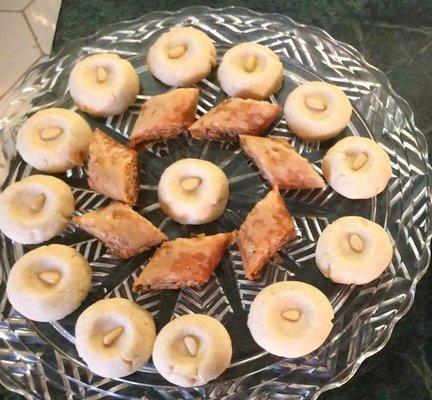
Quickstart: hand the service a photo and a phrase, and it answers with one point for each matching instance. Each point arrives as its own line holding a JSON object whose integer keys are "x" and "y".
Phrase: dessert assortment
{"x": 116, "y": 337}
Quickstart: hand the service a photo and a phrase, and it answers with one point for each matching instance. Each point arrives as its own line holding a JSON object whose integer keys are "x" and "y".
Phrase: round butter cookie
{"x": 317, "y": 111}
{"x": 353, "y": 250}
{"x": 54, "y": 140}
{"x": 193, "y": 191}
{"x": 250, "y": 70}
{"x": 182, "y": 56}
{"x": 357, "y": 168}
{"x": 49, "y": 282}
{"x": 35, "y": 209}
{"x": 103, "y": 84}
{"x": 115, "y": 337}
{"x": 290, "y": 319}
{"x": 192, "y": 350}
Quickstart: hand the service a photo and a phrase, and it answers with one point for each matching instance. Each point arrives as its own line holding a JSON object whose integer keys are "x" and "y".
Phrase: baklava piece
{"x": 165, "y": 116}
{"x": 183, "y": 262}
{"x": 233, "y": 117}
{"x": 280, "y": 164}
{"x": 121, "y": 229}
{"x": 113, "y": 169}
{"x": 266, "y": 229}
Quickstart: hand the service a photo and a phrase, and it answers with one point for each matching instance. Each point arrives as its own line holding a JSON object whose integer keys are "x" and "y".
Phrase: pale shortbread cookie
{"x": 353, "y": 250}
{"x": 54, "y": 140}
{"x": 115, "y": 337}
{"x": 250, "y": 70}
{"x": 192, "y": 350}
{"x": 290, "y": 319}
{"x": 103, "y": 84}
{"x": 317, "y": 111}
{"x": 357, "y": 168}
{"x": 193, "y": 191}
{"x": 35, "y": 209}
{"x": 49, "y": 282}
{"x": 182, "y": 56}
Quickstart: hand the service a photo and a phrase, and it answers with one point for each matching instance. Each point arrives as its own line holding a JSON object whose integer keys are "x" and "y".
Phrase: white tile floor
{"x": 27, "y": 30}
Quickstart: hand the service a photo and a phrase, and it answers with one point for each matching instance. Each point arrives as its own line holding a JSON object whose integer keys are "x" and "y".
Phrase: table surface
{"x": 395, "y": 36}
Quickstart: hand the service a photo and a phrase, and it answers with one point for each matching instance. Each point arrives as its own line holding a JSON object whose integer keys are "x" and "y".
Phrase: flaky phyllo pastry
{"x": 165, "y": 116}
{"x": 183, "y": 262}
{"x": 233, "y": 117}
{"x": 280, "y": 164}
{"x": 113, "y": 168}
{"x": 266, "y": 229}
{"x": 124, "y": 231}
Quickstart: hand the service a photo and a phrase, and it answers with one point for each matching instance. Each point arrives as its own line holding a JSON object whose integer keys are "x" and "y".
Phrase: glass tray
{"x": 39, "y": 360}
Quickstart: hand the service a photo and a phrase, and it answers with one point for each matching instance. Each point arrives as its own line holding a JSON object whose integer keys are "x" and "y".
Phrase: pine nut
{"x": 191, "y": 345}
{"x": 291, "y": 315}
{"x": 50, "y": 133}
{"x": 250, "y": 64}
{"x": 176, "y": 52}
{"x": 112, "y": 336}
{"x": 101, "y": 75}
{"x": 50, "y": 277}
{"x": 190, "y": 184}
{"x": 356, "y": 243}
{"x": 315, "y": 104}
{"x": 359, "y": 161}
{"x": 38, "y": 202}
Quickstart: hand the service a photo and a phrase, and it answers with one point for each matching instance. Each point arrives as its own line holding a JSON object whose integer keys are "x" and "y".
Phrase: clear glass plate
{"x": 39, "y": 360}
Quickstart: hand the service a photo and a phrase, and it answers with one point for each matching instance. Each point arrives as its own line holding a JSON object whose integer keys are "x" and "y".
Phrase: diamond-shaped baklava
{"x": 113, "y": 168}
{"x": 124, "y": 231}
{"x": 183, "y": 262}
{"x": 233, "y": 117}
{"x": 165, "y": 116}
{"x": 266, "y": 229}
{"x": 280, "y": 164}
